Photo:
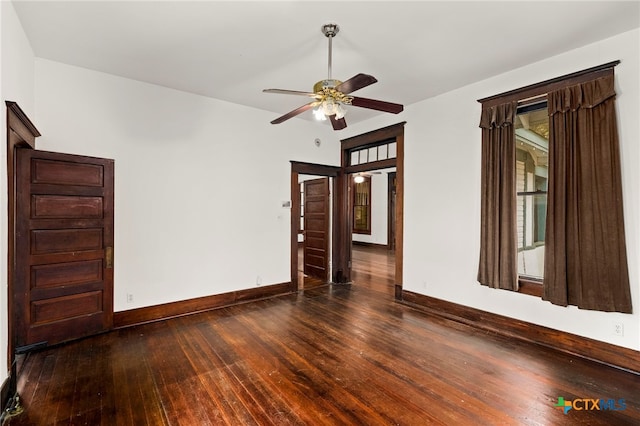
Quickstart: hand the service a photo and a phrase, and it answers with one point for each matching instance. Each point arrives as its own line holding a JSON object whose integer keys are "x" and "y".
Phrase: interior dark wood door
{"x": 391, "y": 213}
{"x": 63, "y": 246}
{"x": 316, "y": 228}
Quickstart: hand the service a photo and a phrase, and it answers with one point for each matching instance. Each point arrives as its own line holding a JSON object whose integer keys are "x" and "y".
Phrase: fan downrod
{"x": 330, "y": 30}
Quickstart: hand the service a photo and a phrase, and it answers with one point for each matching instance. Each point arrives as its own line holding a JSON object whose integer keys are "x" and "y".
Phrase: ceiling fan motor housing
{"x": 328, "y": 83}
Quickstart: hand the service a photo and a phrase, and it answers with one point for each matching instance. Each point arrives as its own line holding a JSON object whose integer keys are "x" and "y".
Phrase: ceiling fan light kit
{"x": 332, "y": 95}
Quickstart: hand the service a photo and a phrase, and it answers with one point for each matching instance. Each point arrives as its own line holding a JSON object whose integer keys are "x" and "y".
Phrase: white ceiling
{"x": 232, "y": 50}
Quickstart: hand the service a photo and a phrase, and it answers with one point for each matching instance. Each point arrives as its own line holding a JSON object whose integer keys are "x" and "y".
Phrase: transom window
{"x": 371, "y": 154}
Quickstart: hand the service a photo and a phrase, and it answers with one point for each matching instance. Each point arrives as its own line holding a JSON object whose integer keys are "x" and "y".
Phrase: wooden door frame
{"x": 21, "y": 134}
{"x": 393, "y": 133}
{"x": 341, "y": 202}
{"x": 320, "y": 170}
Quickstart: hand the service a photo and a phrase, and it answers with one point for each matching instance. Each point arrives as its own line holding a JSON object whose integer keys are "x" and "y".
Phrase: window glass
{"x": 355, "y": 158}
{"x": 532, "y": 160}
{"x": 392, "y": 150}
{"x": 373, "y": 154}
{"x": 382, "y": 152}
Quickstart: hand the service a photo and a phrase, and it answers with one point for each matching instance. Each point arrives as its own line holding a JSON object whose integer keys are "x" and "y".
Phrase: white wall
{"x": 199, "y": 182}
{"x": 16, "y": 84}
{"x": 442, "y": 200}
{"x": 379, "y": 211}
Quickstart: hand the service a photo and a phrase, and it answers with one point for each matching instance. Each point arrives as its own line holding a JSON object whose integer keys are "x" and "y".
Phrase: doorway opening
{"x": 376, "y": 153}
{"x": 315, "y": 197}
{"x": 373, "y": 215}
{"x": 376, "y": 150}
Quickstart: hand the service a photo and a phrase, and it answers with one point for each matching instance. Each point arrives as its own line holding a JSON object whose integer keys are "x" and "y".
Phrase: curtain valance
{"x": 498, "y": 115}
{"x": 584, "y": 95}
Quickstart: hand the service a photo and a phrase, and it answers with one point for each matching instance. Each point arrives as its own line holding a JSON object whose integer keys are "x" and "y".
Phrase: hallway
{"x": 373, "y": 267}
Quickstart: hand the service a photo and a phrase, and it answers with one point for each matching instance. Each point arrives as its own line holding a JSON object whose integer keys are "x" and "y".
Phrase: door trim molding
{"x": 21, "y": 134}
{"x": 20, "y": 123}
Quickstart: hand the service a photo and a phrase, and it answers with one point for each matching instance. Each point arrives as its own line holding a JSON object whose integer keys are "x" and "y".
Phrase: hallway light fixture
{"x": 358, "y": 178}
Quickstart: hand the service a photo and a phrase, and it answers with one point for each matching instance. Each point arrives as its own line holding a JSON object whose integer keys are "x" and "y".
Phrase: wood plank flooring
{"x": 330, "y": 355}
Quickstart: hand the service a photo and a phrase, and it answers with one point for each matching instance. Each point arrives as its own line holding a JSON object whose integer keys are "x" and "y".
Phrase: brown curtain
{"x": 585, "y": 255}
{"x": 498, "y": 264}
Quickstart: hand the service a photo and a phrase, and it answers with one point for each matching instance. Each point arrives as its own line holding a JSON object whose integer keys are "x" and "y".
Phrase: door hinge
{"x": 108, "y": 254}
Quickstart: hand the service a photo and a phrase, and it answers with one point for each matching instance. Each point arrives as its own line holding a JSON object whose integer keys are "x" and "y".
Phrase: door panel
{"x": 316, "y": 228}
{"x": 67, "y": 173}
{"x": 48, "y": 206}
{"x": 64, "y": 224}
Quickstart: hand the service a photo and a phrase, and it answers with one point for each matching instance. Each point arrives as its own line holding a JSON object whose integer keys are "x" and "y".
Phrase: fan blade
{"x": 337, "y": 123}
{"x": 356, "y": 82}
{"x": 377, "y": 105}
{"x": 295, "y": 112}
{"x": 290, "y": 92}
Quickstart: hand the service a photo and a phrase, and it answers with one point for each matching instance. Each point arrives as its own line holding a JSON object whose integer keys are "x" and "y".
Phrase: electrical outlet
{"x": 618, "y": 329}
{"x": 129, "y": 297}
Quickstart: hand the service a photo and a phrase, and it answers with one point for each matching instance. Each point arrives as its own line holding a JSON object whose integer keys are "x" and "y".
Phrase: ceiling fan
{"x": 330, "y": 95}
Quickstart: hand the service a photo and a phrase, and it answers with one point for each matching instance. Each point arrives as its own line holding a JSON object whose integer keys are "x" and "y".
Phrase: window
{"x": 362, "y": 205}
{"x": 551, "y": 192}
{"x": 531, "y": 171}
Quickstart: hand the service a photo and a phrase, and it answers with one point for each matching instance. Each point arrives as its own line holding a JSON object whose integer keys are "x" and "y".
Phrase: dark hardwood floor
{"x": 328, "y": 355}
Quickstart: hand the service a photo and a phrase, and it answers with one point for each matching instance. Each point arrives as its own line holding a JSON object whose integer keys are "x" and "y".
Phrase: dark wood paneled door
{"x": 63, "y": 246}
{"x": 316, "y": 228}
{"x": 391, "y": 213}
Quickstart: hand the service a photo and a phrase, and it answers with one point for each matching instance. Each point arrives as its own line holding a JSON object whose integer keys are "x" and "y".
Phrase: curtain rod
{"x": 532, "y": 87}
